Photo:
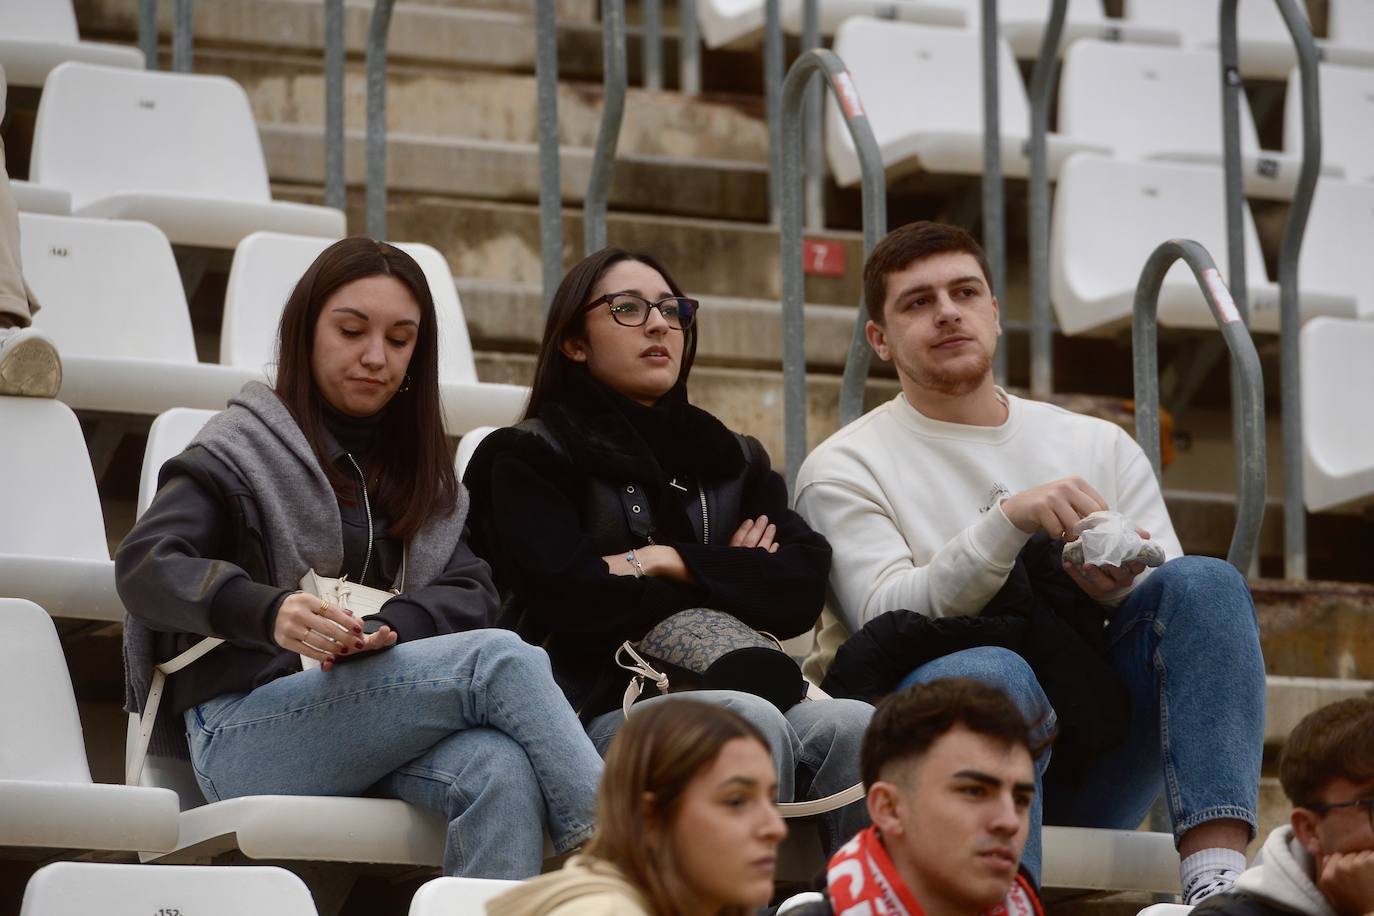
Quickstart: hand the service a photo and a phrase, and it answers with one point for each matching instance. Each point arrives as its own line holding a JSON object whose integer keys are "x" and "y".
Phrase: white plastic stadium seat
{"x": 30, "y": 197}
{"x": 467, "y": 445}
{"x": 265, "y": 270}
{"x": 1337, "y": 417}
{"x": 1165, "y": 909}
{"x": 922, "y": 89}
{"x": 169, "y": 435}
{"x": 1110, "y": 215}
{"x": 46, "y": 793}
{"x": 1162, "y": 103}
{"x": 1266, "y": 48}
{"x": 740, "y": 22}
{"x": 457, "y": 896}
{"x": 1350, "y": 22}
{"x": 1023, "y": 25}
{"x": 949, "y": 13}
{"x": 1333, "y": 281}
{"x": 37, "y": 35}
{"x": 177, "y": 150}
{"x": 1088, "y": 858}
{"x": 1347, "y": 119}
{"x": 52, "y": 535}
{"x": 82, "y": 888}
{"x": 113, "y": 303}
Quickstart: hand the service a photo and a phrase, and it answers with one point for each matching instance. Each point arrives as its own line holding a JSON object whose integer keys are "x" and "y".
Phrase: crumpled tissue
{"x": 1110, "y": 539}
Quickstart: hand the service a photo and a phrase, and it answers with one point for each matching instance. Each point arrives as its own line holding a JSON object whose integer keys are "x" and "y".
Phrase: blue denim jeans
{"x": 468, "y": 725}
{"x": 815, "y": 746}
{"x": 1186, "y": 645}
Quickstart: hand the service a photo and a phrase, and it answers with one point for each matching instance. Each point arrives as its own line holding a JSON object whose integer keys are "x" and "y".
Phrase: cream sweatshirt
{"x": 912, "y": 506}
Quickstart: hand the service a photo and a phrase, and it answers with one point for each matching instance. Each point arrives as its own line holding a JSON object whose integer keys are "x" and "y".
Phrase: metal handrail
{"x": 1251, "y": 482}
{"x": 813, "y": 123}
{"x": 994, "y": 195}
{"x": 773, "y": 66}
{"x": 793, "y": 282}
{"x": 688, "y": 48}
{"x": 334, "y": 192}
{"x": 608, "y": 134}
{"x": 652, "y": 48}
{"x": 181, "y": 35}
{"x": 376, "y": 118}
{"x": 550, "y": 175}
{"x": 147, "y": 32}
{"x": 1294, "y": 508}
{"x": 1042, "y": 90}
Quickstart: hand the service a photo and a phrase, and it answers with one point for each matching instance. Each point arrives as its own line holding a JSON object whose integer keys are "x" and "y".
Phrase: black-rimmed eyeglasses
{"x": 1366, "y": 803}
{"x": 633, "y": 311}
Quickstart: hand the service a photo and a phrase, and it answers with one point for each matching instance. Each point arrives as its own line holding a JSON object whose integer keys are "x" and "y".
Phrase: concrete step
{"x": 485, "y": 34}
{"x": 502, "y": 170}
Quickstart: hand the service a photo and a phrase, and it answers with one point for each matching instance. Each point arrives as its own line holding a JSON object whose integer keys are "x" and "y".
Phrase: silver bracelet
{"x": 634, "y": 562}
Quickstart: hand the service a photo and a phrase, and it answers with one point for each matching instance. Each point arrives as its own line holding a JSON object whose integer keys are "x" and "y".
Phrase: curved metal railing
{"x": 608, "y": 134}
{"x": 1038, "y": 230}
{"x": 377, "y": 33}
{"x": 874, "y": 188}
{"x": 1251, "y": 482}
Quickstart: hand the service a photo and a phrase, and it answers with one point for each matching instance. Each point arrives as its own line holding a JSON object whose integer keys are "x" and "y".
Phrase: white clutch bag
{"x": 362, "y": 600}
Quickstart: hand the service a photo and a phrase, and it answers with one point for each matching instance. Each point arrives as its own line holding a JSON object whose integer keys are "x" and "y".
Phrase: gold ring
{"x": 324, "y": 606}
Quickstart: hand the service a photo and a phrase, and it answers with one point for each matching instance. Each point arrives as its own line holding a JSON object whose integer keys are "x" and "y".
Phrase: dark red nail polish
{"x": 358, "y": 644}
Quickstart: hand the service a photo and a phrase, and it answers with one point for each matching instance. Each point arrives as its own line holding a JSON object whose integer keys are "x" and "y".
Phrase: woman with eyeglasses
{"x": 616, "y": 504}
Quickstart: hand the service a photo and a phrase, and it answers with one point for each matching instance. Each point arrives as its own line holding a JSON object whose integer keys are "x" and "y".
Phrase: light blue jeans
{"x": 468, "y": 725}
{"x": 815, "y": 747}
{"x": 1186, "y": 645}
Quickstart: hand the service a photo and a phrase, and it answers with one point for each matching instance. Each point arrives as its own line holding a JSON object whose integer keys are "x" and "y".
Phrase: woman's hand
{"x": 655, "y": 560}
{"x": 319, "y": 630}
{"x": 755, "y": 532}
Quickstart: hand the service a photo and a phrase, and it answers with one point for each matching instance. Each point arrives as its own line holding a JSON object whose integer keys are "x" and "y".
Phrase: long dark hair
{"x": 568, "y": 317}
{"x": 410, "y": 443}
{"x": 653, "y": 758}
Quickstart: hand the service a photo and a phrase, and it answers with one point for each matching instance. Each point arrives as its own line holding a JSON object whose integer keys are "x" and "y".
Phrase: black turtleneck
{"x": 355, "y": 435}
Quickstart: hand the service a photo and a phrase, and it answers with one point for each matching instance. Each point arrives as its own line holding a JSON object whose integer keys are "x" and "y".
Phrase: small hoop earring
{"x": 405, "y": 385}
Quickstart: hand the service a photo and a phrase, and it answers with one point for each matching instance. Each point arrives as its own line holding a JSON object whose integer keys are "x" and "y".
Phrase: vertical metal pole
{"x": 608, "y": 134}
{"x": 550, "y": 178}
{"x": 790, "y": 236}
{"x": 1042, "y": 90}
{"x": 653, "y": 45}
{"x": 1250, "y": 441}
{"x": 147, "y": 32}
{"x": 376, "y": 118}
{"x": 181, "y": 35}
{"x": 812, "y": 124}
{"x": 1290, "y": 379}
{"x": 334, "y": 194}
{"x": 688, "y": 48}
{"x": 994, "y": 207}
{"x": 1232, "y": 88}
{"x": 772, "y": 99}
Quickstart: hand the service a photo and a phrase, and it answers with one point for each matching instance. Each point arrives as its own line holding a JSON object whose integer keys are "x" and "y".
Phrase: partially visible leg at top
{"x": 831, "y": 734}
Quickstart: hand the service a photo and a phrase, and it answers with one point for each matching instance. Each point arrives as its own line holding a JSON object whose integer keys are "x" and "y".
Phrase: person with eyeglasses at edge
{"x": 1321, "y": 863}
{"x": 610, "y": 421}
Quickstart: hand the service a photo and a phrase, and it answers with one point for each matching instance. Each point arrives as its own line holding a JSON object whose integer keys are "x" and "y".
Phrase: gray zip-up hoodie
{"x": 1283, "y": 877}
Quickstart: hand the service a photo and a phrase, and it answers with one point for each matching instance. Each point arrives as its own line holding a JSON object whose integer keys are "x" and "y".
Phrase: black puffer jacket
{"x": 1039, "y": 613}
{"x": 536, "y": 520}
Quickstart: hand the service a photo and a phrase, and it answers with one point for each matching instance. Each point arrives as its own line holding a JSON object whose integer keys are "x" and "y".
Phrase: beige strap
{"x": 133, "y": 768}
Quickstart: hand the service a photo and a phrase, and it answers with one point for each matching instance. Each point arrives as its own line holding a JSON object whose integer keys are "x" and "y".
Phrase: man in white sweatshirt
{"x": 1321, "y": 863}
{"x": 927, "y": 501}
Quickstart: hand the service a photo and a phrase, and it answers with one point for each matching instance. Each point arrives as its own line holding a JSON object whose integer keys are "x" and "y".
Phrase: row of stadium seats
{"x": 1130, "y": 101}
{"x": 1266, "y": 50}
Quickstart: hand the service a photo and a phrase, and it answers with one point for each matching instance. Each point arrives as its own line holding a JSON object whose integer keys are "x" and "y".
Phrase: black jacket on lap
{"x": 538, "y": 516}
{"x": 1039, "y": 613}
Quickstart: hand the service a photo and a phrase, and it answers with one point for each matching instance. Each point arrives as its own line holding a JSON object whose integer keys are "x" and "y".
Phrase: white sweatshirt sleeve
{"x": 872, "y": 567}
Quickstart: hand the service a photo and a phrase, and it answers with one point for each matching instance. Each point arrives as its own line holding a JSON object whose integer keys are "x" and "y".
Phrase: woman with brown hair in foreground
{"x": 687, "y": 824}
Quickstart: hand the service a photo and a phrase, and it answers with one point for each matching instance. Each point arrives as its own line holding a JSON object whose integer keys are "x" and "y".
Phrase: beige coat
{"x": 582, "y": 887}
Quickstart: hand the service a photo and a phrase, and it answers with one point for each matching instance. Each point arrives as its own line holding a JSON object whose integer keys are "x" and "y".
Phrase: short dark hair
{"x": 1333, "y": 742}
{"x": 567, "y": 319}
{"x": 411, "y": 444}
{"x": 905, "y": 246}
{"x": 907, "y": 723}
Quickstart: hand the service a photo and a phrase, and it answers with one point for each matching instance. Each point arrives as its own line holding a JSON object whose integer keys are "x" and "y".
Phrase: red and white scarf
{"x": 862, "y": 881}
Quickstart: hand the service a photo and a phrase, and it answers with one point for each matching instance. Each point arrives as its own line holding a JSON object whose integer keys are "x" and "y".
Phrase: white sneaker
{"x": 29, "y": 364}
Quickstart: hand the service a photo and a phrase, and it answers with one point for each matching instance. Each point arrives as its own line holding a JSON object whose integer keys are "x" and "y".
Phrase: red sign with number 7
{"x": 822, "y": 259}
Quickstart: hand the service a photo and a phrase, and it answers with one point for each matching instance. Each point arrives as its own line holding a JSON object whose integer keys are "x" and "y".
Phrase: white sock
{"x": 1208, "y": 872}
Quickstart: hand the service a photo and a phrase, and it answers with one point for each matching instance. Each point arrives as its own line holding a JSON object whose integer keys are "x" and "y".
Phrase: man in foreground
{"x": 931, "y": 499}
{"x": 950, "y": 776}
{"x": 1322, "y": 862}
